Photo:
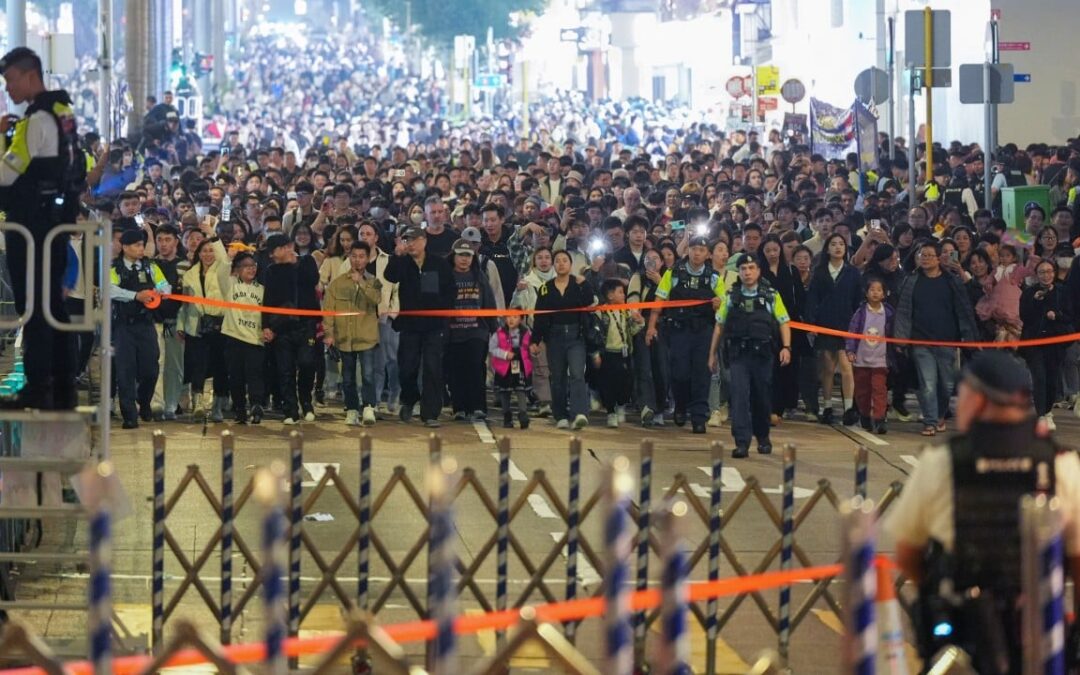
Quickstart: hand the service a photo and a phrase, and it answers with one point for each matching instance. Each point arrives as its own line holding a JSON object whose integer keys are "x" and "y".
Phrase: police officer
{"x": 42, "y": 173}
{"x": 687, "y": 330}
{"x": 749, "y": 320}
{"x": 134, "y": 280}
{"x": 957, "y": 524}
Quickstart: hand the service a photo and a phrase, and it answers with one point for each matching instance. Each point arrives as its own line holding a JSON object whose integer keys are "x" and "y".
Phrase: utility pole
{"x": 928, "y": 24}
{"x": 200, "y": 24}
{"x": 138, "y": 62}
{"x": 890, "y": 69}
{"x": 217, "y": 27}
{"x": 105, "y": 64}
{"x": 16, "y": 21}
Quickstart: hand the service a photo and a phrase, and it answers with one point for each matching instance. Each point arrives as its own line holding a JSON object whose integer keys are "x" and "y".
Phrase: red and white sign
{"x": 995, "y": 15}
{"x": 1014, "y": 46}
{"x": 765, "y": 103}
{"x": 737, "y": 87}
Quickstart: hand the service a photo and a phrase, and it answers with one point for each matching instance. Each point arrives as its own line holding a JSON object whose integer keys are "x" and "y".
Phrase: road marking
{"x": 483, "y": 432}
{"x": 540, "y": 506}
{"x": 867, "y": 436}
{"x": 731, "y": 480}
{"x": 910, "y": 459}
{"x": 317, "y": 470}
{"x": 587, "y": 574}
{"x": 515, "y": 472}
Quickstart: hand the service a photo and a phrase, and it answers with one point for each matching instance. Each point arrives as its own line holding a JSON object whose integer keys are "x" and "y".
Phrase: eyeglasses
{"x": 929, "y": 255}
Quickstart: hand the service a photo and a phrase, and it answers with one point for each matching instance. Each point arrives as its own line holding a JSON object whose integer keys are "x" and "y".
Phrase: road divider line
{"x": 515, "y": 472}
{"x": 540, "y": 506}
{"x": 483, "y": 432}
{"x": 867, "y": 436}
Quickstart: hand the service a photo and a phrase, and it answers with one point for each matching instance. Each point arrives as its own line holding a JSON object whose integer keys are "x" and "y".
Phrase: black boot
{"x": 508, "y": 420}
{"x": 865, "y": 423}
{"x": 256, "y": 414}
{"x": 879, "y": 427}
{"x": 523, "y": 419}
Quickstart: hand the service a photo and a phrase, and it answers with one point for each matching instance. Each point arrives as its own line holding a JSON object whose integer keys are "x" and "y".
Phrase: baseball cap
{"x": 574, "y": 175}
{"x": 471, "y": 235}
{"x": 413, "y": 232}
{"x": 462, "y": 247}
{"x": 699, "y": 241}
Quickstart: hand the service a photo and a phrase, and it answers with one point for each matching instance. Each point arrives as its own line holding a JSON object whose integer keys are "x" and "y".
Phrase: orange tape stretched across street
{"x": 654, "y": 304}
{"x": 419, "y": 631}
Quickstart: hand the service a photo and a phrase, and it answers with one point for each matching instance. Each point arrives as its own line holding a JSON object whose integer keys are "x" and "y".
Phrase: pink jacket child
{"x": 1001, "y": 304}
{"x": 510, "y": 358}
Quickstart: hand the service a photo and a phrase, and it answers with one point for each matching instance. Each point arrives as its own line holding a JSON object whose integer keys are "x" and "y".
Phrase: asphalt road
{"x": 825, "y": 469}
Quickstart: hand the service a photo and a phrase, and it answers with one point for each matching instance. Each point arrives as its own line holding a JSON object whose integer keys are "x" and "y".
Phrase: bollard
{"x": 1042, "y": 569}
{"x": 296, "y": 523}
{"x": 644, "y": 514}
{"x": 861, "y": 461}
{"x": 715, "y": 523}
{"x": 860, "y": 587}
{"x": 363, "y": 542}
{"x": 441, "y": 560}
{"x": 572, "y": 519}
{"x": 673, "y": 654}
{"x": 618, "y": 540}
{"x": 227, "y": 452}
{"x": 786, "y": 543}
{"x": 503, "y": 538}
{"x": 267, "y": 486}
{"x": 158, "y": 559}
{"x": 99, "y": 619}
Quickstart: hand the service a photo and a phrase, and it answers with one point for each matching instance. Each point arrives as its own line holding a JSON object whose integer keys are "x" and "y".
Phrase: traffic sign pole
{"x": 890, "y": 68}
{"x": 928, "y": 22}
{"x": 995, "y": 58}
{"x": 987, "y": 106}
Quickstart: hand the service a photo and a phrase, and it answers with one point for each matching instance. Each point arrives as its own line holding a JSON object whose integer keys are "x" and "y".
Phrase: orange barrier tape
{"x": 423, "y": 630}
{"x": 654, "y": 304}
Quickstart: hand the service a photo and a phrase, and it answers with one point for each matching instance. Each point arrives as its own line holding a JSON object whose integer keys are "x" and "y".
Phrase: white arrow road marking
{"x": 587, "y": 574}
{"x": 732, "y": 481}
{"x": 515, "y": 472}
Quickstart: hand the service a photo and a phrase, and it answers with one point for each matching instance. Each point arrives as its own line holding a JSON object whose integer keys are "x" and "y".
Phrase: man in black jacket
{"x": 290, "y": 282}
{"x": 424, "y": 282}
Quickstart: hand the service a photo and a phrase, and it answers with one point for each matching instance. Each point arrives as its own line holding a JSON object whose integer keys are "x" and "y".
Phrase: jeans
{"x": 367, "y": 379}
{"x": 422, "y": 352}
{"x": 467, "y": 363}
{"x": 1070, "y": 373}
{"x": 751, "y": 397}
{"x": 566, "y": 358}
{"x": 386, "y": 373}
{"x": 171, "y": 365}
{"x": 936, "y": 367}
{"x": 644, "y": 388}
{"x": 294, "y": 353}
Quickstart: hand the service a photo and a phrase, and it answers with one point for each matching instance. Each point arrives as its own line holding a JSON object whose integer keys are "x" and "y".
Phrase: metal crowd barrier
{"x": 365, "y": 503}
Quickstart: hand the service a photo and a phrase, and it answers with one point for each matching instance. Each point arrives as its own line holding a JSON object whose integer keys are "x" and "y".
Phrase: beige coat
{"x": 353, "y": 333}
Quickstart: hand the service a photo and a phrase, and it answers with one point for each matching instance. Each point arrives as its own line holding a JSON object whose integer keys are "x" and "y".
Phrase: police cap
{"x": 1000, "y": 376}
{"x": 743, "y": 259}
{"x": 23, "y": 56}
{"x": 129, "y": 237}
{"x": 698, "y": 240}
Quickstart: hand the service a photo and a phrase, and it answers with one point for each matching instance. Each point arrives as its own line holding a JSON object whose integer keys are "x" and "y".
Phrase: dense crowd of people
{"x": 309, "y": 204}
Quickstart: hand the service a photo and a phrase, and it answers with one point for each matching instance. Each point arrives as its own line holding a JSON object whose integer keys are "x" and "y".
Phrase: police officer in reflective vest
{"x": 42, "y": 173}
{"x": 687, "y": 330}
{"x": 134, "y": 279}
{"x": 749, "y": 320}
{"x": 957, "y": 524}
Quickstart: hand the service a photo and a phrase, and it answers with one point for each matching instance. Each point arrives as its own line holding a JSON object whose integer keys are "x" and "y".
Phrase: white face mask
{"x": 417, "y": 218}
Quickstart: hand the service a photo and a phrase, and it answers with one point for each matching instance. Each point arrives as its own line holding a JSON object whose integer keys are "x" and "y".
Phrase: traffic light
{"x": 176, "y": 66}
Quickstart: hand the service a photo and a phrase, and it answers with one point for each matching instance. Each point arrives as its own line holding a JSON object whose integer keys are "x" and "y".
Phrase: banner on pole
{"x": 832, "y": 130}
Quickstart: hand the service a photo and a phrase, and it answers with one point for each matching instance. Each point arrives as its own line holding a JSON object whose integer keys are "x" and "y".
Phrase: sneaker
{"x": 658, "y": 420}
{"x": 594, "y": 404}
{"x": 621, "y": 412}
{"x": 562, "y": 424}
{"x": 680, "y": 418}
{"x": 352, "y": 418}
{"x": 320, "y": 398}
{"x": 1049, "y": 419}
{"x": 240, "y": 417}
{"x": 740, "y": 453}
{"x": 460, "y": 416}
{"x": 851, "y": 416}
{"x": 170, "y": 417}
{"x": 130, "y": 424}
{"x": 580, "y": 422}
{"x": 810, "y": 417}
{"x": 256, "y": 414}
{"x": 383, "y": 408}
{"x": 198, "y": 412}
{"x": 901, "y": 412}
{"x": 545, "y": 411}
{"x": 289, "y": 422}
{"x": 523, "y": 419}
{"x": 405, "y": 413}
{"x": 826, "y": 416}
{"x": 764, "y": 448}
{"x": 714, "y": 420}
{"x": 722, "y": 411}
{"x": 309, "y": 416}
{"x": 369, "y": 417}
{"x": 479, "y": 416}
{"x": 647, "y": 416}
{"x": 612, "y": 420}
{"x": 431, "y": 424}
{"x": 865, "y": 423}
{"x": 879, "y": 427}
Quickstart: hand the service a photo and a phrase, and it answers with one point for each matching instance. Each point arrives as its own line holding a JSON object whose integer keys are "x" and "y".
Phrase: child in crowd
{"x": 869, "y": 356}
{"x": 512, "y": 364}
{"x": 612, "y": 346}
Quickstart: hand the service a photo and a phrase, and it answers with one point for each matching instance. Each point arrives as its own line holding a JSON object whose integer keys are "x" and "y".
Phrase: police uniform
{"x": 751, "y": 319}
{"x": 134, "y": 337}
{"x": 688, "y": 331}
{"x": 42, "y": 173}
{"x": 962, "y": 502}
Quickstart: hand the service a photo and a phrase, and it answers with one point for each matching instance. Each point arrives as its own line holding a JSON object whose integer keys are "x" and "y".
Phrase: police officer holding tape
{"x": 42, "y": 173}
{"x": 957, "y": 522}
{"x": 688, "y": 329}
{"x": 749, "y": 320}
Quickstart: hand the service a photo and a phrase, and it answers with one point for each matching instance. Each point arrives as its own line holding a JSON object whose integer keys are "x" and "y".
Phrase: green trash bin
{"x": 1013, "y": 200}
